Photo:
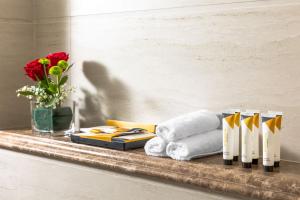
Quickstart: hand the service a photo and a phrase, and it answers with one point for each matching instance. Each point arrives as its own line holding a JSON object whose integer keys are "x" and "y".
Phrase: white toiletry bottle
{"x": 247, "y": 128}
{"x": 255, "y": 135}
{"x": 268, "y": 131}
{"x": 236, "y": 137}
{"x": 228, "y": 137}
{"x": 278, "y": 122}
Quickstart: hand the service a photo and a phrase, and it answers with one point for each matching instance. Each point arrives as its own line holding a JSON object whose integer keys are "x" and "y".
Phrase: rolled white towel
{"x": 196, "y": 146}
{"x": 156, "y": 147}
{"x": 187, "y": 125}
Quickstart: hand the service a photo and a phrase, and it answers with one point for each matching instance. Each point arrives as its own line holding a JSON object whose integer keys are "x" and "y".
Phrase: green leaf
{"x": 26, "y": 93}
{"x": 69, "y": 67}
{"x": 43, "y": 84}
{"x": 52, "y": 88}
{"x": 63, "y": 80}
{"x": 49, "y": 92}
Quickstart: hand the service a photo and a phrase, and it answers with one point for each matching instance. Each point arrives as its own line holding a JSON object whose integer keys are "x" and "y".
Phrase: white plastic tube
{"x": 255, "y": 135}
{"x": 236, "y": 142}
{"x": 268, "y": 130}
{"x": 277, "y": 135}
{"x": 236, "y": 136}
{"x": 228, "y": 137}
{"x": 247, "y": 129}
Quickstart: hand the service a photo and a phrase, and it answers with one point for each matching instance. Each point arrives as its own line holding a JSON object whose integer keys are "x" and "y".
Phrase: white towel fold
{"x": 196, "y": 146}
{"x": 156, "y": 147}
{"x": 187, "y": 125}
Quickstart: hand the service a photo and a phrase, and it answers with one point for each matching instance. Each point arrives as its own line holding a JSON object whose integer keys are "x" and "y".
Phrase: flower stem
{"x": 57, "y": 82}
{"x": 45, "y": 73}
{"x": 58, "y": 88}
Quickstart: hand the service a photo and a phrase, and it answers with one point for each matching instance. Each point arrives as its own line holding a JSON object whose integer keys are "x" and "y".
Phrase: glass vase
{"x": 49, "y": 121}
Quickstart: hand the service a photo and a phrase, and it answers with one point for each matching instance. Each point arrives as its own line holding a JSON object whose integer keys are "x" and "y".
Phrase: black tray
{"x": 120, "y": 145}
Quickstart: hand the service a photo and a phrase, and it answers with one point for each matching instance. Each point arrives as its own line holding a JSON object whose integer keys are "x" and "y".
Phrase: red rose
{"x": 34, "y": 70}
{"x": 55, "y": 57}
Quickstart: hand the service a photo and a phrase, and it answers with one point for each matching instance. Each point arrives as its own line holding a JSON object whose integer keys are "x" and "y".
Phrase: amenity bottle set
{"x": 248, "y": 125}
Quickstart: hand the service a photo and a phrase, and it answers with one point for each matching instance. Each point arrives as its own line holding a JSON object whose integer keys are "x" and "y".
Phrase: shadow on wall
{"x": 110, "y": 100}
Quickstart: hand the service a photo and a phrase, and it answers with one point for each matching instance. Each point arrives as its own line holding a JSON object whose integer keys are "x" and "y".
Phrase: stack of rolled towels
{"x": 186, "y": 137}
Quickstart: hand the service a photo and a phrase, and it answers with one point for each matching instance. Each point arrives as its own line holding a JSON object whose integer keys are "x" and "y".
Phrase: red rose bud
{"x": 55, "y": 57}
{"x": 34, "y": 70}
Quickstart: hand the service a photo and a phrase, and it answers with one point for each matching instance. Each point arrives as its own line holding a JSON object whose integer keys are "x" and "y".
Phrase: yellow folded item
{"x": 102, "y": 130}
{"x": 129, "y": 125}
{"x": 115, "y": 129}
{"x": 100, "y": 136}
{"x": 135, "y": 137}
{"x": 99, "y": 133}
{"x": 118, "y": 136}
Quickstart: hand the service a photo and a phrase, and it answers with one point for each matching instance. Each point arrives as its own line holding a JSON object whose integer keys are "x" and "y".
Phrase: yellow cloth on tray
{"x": 129, "y": 125}
{"x": 120, "y": 127}
{"x": 100, "y": 136}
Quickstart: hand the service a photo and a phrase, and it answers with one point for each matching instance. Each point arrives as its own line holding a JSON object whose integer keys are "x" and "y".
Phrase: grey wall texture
{"x": 16, "y": 48}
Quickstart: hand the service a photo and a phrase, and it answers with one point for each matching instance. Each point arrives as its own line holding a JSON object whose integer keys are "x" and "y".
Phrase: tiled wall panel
{"x": 151, "y": 63}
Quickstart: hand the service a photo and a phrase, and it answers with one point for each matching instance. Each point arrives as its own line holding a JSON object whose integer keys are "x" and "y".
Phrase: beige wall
{"x": 152, "y": 60}
{"x": 16, "y": 48}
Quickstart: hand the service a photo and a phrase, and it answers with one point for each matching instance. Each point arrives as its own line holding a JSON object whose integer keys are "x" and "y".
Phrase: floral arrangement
{"x": 49, "y": 73}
